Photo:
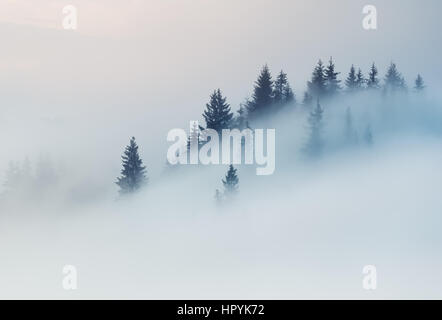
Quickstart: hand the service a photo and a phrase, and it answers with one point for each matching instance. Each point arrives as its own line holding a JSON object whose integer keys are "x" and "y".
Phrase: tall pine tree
{"x": 262, "y": 97}
{"x": 419, "y": 84}
{"x": 133, "y": 174}
{"x": 394, "y": 81}
{"x": 218, "y": 115}
{"x": 373, "y": 81}
{"x": 332, "y": 83}
{"x": 316, "y": 87}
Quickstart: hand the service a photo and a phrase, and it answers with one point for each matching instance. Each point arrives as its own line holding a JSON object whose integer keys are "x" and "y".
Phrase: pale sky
{"x": 157, "y": 61}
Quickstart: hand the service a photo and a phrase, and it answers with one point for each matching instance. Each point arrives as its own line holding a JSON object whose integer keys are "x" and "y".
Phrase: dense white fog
{"x": 70, "y": 102}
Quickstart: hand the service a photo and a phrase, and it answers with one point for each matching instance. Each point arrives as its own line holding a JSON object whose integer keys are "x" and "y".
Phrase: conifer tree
{"x": 373, "y": 81}
{"x": 240, "y": 120}
{"x": 218, "y": 197}
{"x": 331, "y": 79}
{"x": 351, "y": 81}
{"x": 262, "y": 97}
{"x": 316, "y": 87}
{"x": 394, "y": 81}
{"x": 133, "y": 174}
{"x": 218, "y": 115}
{"x": 315, "y": 143}
{"x": 230, "y": 182}
{"x": 419, "y": 84}
{"x": 360, "y": 80}
{"x": 282, "y": 93}
{"x": 13, "y": 176}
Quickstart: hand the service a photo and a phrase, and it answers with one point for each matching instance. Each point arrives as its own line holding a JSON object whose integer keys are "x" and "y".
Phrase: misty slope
{"x": 309, "y": 238}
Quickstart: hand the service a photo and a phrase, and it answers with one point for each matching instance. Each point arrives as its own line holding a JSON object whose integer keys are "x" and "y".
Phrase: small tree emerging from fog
{"x": 133, "y": 174}
{"x": 351, "y": 136}
{"x": 315, "y": 144}
{"x": 230, "y": 182}
{"x": 419, "y": 84}
{"x": 373, "y": 81}
{"x": 394, "y": 81}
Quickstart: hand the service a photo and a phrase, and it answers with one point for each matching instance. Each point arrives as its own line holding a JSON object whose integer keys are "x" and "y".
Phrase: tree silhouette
{"x": 133, "y": 174}
{"x": 218, "y": 115}
{"x": 262, "y": 97}
{"x": 230, "y": 182}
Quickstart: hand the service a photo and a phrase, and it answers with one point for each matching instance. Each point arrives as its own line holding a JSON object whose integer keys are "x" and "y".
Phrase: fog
{"x": 71, "y": 101}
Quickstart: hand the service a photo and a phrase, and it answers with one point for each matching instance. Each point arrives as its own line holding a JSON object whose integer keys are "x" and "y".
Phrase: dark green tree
{"x": 230, "y": 182}
{"x": 315, "y": 142}
{"x": 394, "y": 81}
{"x": 262, "y": 97}
{"x": 368, "y": 136}
{"x": 351, "y": 81}
{"x": 373, "y": 81}
{"x": 360, "y": 80}
{"x": 218, "y": 115}
{"x": 419, "y": 84}
{"x": 133, "y": 174}
{"x": 332, "y": 83}
{"x": 282, "y": 92}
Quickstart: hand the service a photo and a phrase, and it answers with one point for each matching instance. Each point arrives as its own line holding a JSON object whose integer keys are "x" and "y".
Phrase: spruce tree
{"x": 360, "y": 80}
{"x": 373, "y": 81}
{"x": 218, "y": 197}
{"x": 218, "y": 115}
{"x": 315, "y": 143}
{"x": 230, "y": 182}
{"x": 351, "y": 137}
{"x": 419, "y": 84}
{"x": 288, "y": 94}
{"x": 133, "y": 174}
{"x": 307, "y": 100}
{"x": 351, "y": 81}
{"x": 262, "y": 97}
{"x": 282, "y": 93}
{"x": 317, "y": 85}
{"x": 194, "y": 137}
{"x": 331, "y": 79}
{"x": 394, "y": 80}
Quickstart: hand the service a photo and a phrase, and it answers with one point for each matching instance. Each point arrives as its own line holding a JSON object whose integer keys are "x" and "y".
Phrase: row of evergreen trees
{"x": 270, "y": 96}
{"x": 324, "y": 82}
